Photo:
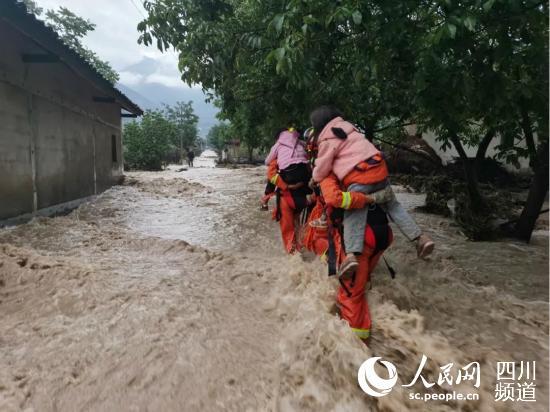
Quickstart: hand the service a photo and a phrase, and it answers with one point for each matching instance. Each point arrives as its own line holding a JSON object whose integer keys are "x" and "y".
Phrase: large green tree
{"x": 469, "y": 71}
{"x": 183, "y": 117}
{"x": 283, "y": 58}
{"x": 161, "y": 137}
{"x": 482, "y": 72}
{"x": 219, "y": 136}
{"x": 146, "y": 143}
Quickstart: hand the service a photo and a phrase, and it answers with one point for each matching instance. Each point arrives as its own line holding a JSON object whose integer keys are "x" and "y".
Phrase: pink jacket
{"x": 341, "y": 155}
{"x": 288, "y": 150}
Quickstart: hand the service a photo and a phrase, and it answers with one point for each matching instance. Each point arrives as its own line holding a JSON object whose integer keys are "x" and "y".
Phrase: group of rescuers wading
{"x": 333, "y": 197}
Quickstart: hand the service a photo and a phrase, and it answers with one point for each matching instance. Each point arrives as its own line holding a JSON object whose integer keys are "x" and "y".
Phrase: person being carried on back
{"x": 360, "y": 167}
{"x": 290, "y": 154}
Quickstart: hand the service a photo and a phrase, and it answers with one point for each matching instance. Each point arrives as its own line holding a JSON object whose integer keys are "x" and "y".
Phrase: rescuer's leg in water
{"x": 287, "y": 224}
{"x": 352, "y": 302}
{"x": 283, "y": 212}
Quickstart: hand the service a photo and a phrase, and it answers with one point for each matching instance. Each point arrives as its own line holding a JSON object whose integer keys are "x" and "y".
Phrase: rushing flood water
{"x": 172, "y": 292}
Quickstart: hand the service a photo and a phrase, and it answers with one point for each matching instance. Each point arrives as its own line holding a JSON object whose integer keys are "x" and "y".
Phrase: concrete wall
{"x": 16, "y": 186}
{"x": 55, "y": 141}
{"x": 449, "y": 155}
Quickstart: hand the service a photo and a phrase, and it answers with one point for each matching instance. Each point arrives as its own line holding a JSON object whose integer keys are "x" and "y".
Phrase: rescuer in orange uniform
{"x": 288, "y": 208}
{"x": 352, "y": 301}
{"x": 328, "y": 243}
{"x": 288, "y": 175}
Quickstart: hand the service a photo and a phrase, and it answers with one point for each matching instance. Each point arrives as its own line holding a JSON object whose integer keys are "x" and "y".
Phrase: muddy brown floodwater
{"x": 172, "y": 292}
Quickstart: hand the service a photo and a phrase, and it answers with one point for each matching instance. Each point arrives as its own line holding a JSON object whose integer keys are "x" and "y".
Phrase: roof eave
{"x": 15, "y": 14}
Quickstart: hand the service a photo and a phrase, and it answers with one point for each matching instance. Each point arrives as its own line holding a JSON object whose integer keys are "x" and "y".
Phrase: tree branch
{"x": 528, "y": 133}
{"x": 391, "y": 126}
{"x": 458, "y": 146}
{"x": 484, "y": 145}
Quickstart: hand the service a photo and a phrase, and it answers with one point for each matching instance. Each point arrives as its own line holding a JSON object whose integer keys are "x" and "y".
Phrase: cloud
{"x": 146, "y": 70}
{"x": 115, "y": 38}
{"x": 169, "y": 81}
{"x": 130, "y": 79}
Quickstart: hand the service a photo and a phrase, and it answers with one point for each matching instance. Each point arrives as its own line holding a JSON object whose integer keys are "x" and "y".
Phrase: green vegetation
{"x": 469, "y": 71}
{"x": 71, "y": 29}
{"x": 160, "y": 137}
{"x": 146, "y": 143}
{"x": 219, "y": 136}
{"x": 185, "y": 121}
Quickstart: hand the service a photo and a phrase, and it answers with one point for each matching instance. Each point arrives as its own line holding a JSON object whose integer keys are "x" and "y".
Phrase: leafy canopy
{"x": 219, "y": 136}
{"x": 465, "y": 69}
{"x": 183, "y": 117}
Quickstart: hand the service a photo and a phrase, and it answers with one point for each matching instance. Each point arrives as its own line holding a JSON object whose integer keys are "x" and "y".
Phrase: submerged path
{"x": 172, "y": 293}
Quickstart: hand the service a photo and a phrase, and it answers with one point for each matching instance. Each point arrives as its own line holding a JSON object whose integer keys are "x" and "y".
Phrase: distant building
{"x": 60, "y": 120}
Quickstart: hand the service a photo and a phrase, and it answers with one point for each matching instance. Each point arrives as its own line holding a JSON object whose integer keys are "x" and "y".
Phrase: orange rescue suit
{"x": 287, "y": 221}
{"x": 353, "y": 306}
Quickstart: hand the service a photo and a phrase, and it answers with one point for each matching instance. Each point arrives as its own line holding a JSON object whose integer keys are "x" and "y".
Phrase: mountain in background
{"x": 151, "y": 95}
{"x": 136, "y": 97}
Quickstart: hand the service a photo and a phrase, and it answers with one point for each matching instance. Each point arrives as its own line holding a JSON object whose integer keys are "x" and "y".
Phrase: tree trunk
{"x": 482, "y": 150}
{"x": 535, "y": 199}
{"x": 476, "y": 200}
{"x": 529, "y": 139}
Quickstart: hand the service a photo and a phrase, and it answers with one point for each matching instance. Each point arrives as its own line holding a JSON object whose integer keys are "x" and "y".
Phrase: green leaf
{"x": 357, "y": 17}
{"x": 278, "y": 22}
{"x": 488, "y": 5}
{"x": 309, "y": 19}
{"x": 280, "y": 53}
{"x": 451, "y": 30}
{"x": 470, "y": 23}
{"x": 279, "y": 66}
{"x": 358, "y": 77}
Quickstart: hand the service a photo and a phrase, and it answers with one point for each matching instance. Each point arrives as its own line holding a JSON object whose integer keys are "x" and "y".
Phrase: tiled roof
{"x": 15, "y": 14}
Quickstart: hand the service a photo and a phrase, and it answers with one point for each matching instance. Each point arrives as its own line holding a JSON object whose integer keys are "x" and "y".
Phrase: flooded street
{"x": 172, "y": 292}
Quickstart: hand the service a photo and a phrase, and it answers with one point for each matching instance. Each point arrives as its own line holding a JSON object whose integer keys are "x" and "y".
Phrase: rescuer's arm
{"x": 335, "y": 197}
{"x": 273, "y": 175}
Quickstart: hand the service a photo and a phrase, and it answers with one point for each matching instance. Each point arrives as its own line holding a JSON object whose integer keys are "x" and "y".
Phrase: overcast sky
{"x": 115, "y": 39}
{"x": 153, "y": 75}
